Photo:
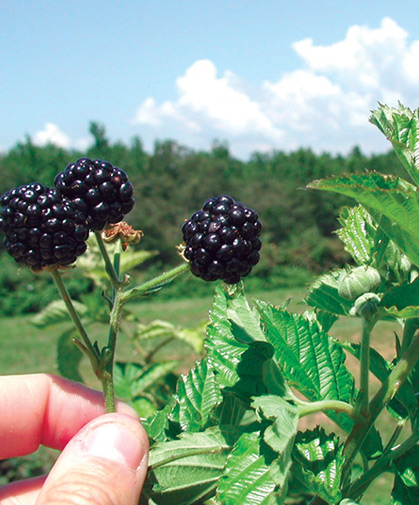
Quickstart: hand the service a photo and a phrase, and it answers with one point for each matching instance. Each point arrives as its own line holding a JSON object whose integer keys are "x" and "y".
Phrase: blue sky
{"x": 258, "y": 74}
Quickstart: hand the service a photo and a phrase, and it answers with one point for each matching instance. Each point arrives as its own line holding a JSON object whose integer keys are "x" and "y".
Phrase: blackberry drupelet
{"x": 98, "y": 189}
{"x": 222, "y": 240}
{"x": 42, "y": 227}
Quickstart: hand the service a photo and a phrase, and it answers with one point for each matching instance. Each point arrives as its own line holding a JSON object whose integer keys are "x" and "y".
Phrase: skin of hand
{"x": 104, "y": 456}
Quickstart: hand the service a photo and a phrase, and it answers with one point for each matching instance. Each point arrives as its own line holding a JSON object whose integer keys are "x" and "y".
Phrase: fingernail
{"x": 115, "y": 442}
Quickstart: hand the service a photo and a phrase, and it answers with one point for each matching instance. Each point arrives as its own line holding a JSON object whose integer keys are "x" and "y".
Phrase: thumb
{"x": 104, "y": 464}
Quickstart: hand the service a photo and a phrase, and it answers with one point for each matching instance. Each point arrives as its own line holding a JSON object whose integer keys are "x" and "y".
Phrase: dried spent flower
{"x": 124, "y": 232}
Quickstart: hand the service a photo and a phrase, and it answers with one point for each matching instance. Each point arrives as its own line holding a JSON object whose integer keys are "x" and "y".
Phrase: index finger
{"x": 45, "y": 409}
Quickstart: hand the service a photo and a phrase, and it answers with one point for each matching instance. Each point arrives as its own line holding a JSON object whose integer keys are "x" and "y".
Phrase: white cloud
{"x": 324, "y": 104}
{"x": 362, "y": 49}
{"x": 51, "y": 134}
{"x": 208, "y": 103}
{"x": 228, "y": 108}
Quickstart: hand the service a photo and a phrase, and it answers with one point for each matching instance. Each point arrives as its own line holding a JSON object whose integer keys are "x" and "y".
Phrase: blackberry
{"x": 42, "y": 228}
{"x": 222, "y": 240}
{"x": 98, "y": 189}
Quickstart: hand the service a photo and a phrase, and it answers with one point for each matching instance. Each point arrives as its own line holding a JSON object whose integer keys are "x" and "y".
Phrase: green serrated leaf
{"x": 400, "y": 126}
{"x": 318, "y": 461}
{"x": 145, "y": 407}
{"x": 245, "y": 321}
{"x": 224, "y": 354}
{"x": 323, "y": 295}
{"x": 156, "y": 425}
{"x": 357, "y": 233}
{"x": 125, "y": 376}
{"x": 310, "y": 359}
{"x": 69, "y": 356}
{"x": 384, "y": 196}
{"x": 326, "y": 319}
{"x": 402, "y": 301}
{"x": 234, "y": 362}
{"x": 247, "y": 479}
{"x": 132, "y": 380}
{"x": 367, "y": 242}
{"x": 232, "y": 410}
{"x": 283, "y": 417}
{"x": 197, "y": 394}
{"x": 187, "y": 471}
{"x": 56, "y": 313}
{"x": 406, "y": 482}
{"x": 401, "y": 237}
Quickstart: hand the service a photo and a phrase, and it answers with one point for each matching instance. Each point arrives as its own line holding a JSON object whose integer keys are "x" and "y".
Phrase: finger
{"x": 22, "y": 493}
{"x": 45, "y": 409}
{"x": 105, "y": 463}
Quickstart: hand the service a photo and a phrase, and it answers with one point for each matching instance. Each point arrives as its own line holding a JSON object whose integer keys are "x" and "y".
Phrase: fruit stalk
{"x": 87, "y": 346}
{"x": 109, "y": 267}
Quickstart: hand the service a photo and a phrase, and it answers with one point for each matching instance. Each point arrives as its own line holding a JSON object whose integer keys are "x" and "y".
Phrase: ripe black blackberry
{"x": 222, "y": 240}
{"x": 42, "y": 228}
{"x": 100, "y": 190}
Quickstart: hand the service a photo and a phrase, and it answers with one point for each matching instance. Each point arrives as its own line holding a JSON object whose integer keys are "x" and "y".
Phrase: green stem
{"x": 387, "y": 391}
{"x": 394, "y": 436}
{"x": 117, "y": 267}
{"x": 107, "y": 380}
{"x": 155, "y": 283}
{"x": 115, "y": 316}
{"x": 108, "y": 355}
{"x": 306, "y": 408}
{"x": 359, "y": 486}
{"x": 87, "y": 346}
{"x": 109, "y": 267}
{"x": 364, "y": 367}
{"x": 410, "y": 327}
{"x": 117, "y": 258}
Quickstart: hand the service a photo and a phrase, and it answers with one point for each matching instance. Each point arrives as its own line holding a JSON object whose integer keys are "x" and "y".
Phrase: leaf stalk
{"x": 155, "y": 283}
{"x": 307, "y": 408}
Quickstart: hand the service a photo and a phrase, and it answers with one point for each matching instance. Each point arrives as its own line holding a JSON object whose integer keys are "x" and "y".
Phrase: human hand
{"x": 104, "y": 458}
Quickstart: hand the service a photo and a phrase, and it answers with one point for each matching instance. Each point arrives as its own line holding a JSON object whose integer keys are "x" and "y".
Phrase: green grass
{"x": 27, "y": 349}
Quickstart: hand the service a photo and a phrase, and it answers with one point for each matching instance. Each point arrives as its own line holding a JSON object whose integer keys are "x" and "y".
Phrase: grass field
{"x": 27, "y": 349}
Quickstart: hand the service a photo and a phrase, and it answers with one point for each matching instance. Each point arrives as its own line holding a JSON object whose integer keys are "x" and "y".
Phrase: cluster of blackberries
{"x": 222, "y": 240}
{"x": 49, "y": 226}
